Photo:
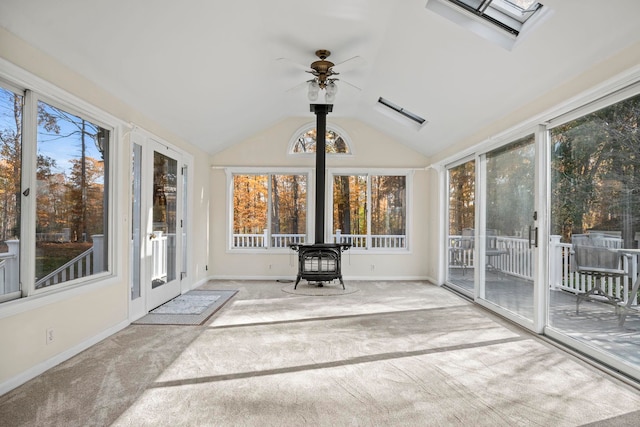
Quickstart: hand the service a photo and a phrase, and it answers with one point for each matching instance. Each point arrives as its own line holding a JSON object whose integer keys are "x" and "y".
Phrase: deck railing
{"x": 278, "y": 240}
{"x": 517, "y": 261}
{"x": 378, "y": 241}
{"x": 87, "y": 263}
{"x": 381, "y": 241}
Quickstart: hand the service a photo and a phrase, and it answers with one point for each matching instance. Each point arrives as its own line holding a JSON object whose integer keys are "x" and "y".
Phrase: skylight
{"x": 504, "y": 21}
{"x": 415, "y": 119}
{"x": 509, "y": 15}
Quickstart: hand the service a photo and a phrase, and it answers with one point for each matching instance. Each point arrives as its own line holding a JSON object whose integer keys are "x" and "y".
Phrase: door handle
{"x": 535, "y": 236}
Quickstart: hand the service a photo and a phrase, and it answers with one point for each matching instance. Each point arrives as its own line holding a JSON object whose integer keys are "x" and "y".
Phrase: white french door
{"x": 163, "y": 220}
{"x": 157, "y": 232}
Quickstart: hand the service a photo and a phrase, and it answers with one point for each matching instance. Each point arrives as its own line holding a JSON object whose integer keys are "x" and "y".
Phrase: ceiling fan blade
{"x": 350, "y": 84}
{"x": 296, "y": 87}
{"x": 350, "y": 64}
{"x": 289, "y": 62}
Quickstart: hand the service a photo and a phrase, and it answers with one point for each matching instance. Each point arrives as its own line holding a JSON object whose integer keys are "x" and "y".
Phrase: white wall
{"x": 372, "y": 149}
{"x": 84, "y": 315}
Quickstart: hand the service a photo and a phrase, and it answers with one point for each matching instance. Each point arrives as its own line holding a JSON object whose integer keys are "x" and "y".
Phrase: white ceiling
{"x": 208, "y": 70}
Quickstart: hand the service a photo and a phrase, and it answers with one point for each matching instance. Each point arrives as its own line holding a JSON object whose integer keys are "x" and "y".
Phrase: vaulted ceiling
{"x": 211, "y": 70}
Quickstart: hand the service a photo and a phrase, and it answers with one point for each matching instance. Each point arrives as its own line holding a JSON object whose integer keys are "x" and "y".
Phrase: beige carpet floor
{"x": 390, "y": 354}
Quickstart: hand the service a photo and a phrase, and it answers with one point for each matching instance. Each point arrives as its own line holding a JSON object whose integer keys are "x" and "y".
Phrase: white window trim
{"x": 231, "y": 171}
{"x": 312, "y": 125}
{"x": 39, "y": 89}
{"x": 408, "y": 173}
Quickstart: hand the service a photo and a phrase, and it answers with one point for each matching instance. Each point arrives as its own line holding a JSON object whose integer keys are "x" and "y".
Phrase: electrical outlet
{"x": 373, "y": 267}
{"x": 50, "y": 336}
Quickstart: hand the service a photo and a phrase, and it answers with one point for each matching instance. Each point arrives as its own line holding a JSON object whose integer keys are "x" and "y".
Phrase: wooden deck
{"x": 595, "y": 324}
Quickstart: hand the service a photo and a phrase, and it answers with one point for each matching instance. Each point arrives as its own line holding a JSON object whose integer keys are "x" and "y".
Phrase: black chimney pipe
{"x": 321, "y": 111}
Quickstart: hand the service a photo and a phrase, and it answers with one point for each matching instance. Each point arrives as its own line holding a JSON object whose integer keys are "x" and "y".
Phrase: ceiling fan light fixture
{"x": 332, "y": 88}
{"x": 314, "y": 88}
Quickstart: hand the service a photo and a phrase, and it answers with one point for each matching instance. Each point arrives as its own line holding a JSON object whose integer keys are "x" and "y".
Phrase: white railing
{"x": 87, "y": 263}
{"x": 284, "y": 240}
{"x": 9, "y": 267}
{"x": 517, "y": 261}
{"x": 563, "y": 277}
{"x": 78, "y": 267}
{"x": 159, "y": 249}
{"x": 378, "y": 241}
{"x": 278, "y": 240}
{"x": 250, "y": 240}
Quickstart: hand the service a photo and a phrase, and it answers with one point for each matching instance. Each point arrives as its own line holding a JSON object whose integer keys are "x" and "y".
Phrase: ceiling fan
{"x": 323, "y": 72}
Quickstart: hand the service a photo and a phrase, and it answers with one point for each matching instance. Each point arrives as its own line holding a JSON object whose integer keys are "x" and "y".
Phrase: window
{"x": 70, "y": 197}
{"x": 505, "y": 20}
{"x": 58, "y": 223}
{"x": 10, "y": 172}
{"x": 384, "y": 226}
{"x": 304, "y": 141}
{"x": 269, "y": 210}
{"x": 509, "y": 15}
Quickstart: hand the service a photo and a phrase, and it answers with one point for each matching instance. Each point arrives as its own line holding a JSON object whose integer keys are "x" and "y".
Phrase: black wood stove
{"x": 320, "y": 262}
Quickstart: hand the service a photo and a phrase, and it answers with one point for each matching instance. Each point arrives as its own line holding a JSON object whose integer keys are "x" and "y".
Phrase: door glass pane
{"x": 388, "y": 211}
{"x": 350, "y": 210}
{"x": 163, "y": 249}
{"x": 185, "y": 216}
{"x": 508, "y": 264}
{"x": 288, "y": 210}
{"x": 136, "y": 220}
{"x": 595, "y": 217}
{"x": 462, "y": 180}
{"x": 10, "y": 173}
{"x": 71, "y": 203}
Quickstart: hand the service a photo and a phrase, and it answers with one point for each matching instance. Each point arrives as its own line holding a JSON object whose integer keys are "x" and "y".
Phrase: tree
{"x": 596, "y": 172}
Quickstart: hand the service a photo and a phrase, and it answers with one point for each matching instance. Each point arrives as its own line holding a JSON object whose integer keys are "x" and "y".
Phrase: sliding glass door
{"x": 545, "y": 230}
{"x": 595, "y": 210}
{"x": 506, "y": 239}
{"x": 461, "y": 215}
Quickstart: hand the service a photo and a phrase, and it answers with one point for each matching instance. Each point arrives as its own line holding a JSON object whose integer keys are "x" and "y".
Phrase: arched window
{"x": 304, "y": 141}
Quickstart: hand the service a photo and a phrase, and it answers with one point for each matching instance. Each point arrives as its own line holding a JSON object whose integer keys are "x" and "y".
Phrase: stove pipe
{"x": 321, "y": 111}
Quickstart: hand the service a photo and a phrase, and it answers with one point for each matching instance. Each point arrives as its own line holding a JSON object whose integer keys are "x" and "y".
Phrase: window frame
{"x": 312, "y": 125}
{"x": 269, "y": 171}
{"x": 35, "y": 89}
{"x": 407, "y": 173}
{"x": 490, "y": 28}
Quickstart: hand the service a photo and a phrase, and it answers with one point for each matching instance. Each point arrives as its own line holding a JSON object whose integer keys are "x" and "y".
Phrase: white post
{"x": 265, "y": 237}
{"x": 12, "y": 278}
{"x": 338, "y": 237}
{"x": 98, "y": 253}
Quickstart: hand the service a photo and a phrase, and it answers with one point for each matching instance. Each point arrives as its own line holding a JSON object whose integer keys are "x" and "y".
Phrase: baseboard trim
{"x": 41, "y": 368}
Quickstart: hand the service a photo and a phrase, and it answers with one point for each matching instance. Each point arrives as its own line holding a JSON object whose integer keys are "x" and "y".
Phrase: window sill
{"x": 43, "y": 298}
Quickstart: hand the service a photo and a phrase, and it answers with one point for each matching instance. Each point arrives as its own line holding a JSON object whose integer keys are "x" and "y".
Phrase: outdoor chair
{"x": 465, "y": 244}
{"x": 492, "y": 251}
{"x": 600, "y": 264}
